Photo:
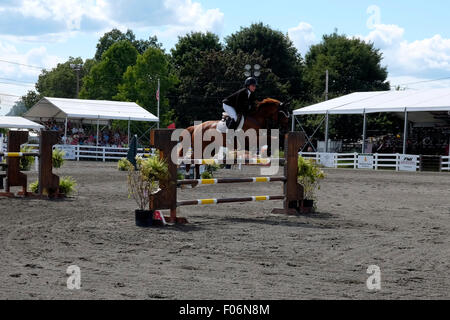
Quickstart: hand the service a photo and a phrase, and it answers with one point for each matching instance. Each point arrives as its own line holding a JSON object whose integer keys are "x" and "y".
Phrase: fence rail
{"x": 445, "y": 163}
{"x": 372, "y": 161}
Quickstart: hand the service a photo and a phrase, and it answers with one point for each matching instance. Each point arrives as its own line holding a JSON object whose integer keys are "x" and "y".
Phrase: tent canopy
{"x": 383, "y": 101}
{"x": 18, "y": 123}
{"x": 93, "y": 110}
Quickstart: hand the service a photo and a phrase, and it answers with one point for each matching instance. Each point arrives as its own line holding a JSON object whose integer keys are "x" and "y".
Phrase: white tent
{"x": 89, "y": 111}
{"x": 383, "y": 101}
{"x": 407, "y": 103}
{"x": 18, "y": 123}
{"x": 78, "y": 109}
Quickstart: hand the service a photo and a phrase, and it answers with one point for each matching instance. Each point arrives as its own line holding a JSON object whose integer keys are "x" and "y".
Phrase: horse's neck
{"x": 254, "y": 122}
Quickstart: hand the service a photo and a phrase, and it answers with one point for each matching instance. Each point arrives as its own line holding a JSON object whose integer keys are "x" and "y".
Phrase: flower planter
{"x": 307, "y": 206}
{"x": 144, "y": 218}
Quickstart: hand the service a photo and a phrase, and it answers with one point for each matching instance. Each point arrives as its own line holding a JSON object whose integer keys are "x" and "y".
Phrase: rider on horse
{"x": 240, "y": 103}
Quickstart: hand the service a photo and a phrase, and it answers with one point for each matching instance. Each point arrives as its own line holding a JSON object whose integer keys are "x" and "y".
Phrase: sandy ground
{"x": 398, "y": 221}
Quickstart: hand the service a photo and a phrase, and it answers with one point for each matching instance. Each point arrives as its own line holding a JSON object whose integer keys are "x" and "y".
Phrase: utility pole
{"x": 326, "y": 116}
{"x": 77, "y": 68}
{"x": 159, "y": 87}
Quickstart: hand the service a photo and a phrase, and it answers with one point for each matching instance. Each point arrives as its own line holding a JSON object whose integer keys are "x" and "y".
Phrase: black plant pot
{"x": 144, "y": 218}
{"x": 307, "y": 206}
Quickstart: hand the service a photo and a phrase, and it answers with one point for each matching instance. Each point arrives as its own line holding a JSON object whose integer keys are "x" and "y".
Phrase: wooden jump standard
{"x": 166, "y": 199}
{"x": 48, "y": 182}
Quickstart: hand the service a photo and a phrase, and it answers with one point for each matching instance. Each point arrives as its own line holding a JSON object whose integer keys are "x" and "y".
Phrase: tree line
{"x": 200, "y": 71}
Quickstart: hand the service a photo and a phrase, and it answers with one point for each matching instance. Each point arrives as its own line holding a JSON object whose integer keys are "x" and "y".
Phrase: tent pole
{"x": 405, "y": 132}
{"x": 326, "y": 133}
{"x": 128, "y": 131}
{"x": 293, "y": 122}
{"x": 65, "y": 132}
{"x": 364, "y": 132}
{"x": 97, "y": 130}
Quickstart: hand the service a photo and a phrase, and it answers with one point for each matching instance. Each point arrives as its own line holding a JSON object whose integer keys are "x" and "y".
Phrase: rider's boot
{"x": 231, "y": 123}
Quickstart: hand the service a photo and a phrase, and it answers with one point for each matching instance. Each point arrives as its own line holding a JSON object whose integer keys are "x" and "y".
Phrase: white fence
{"x": 445, "y": 164}
{"x": 92, "y": 152}
{"x": 375, "y": 161}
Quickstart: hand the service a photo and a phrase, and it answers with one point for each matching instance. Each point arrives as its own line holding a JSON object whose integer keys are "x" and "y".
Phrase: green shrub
{"x": 123, "y": 164}
{"x": 66, "y": 186}
{"x": 58, "y": 158}
{"x": 34, "y": 186}
{"x": 26, "y": 162}
{"x": 180, "y": 176}
{"x": 207, "y": 175}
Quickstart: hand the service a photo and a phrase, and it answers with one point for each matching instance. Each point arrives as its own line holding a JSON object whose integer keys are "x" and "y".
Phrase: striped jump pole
{"x": 255, "y": 161}
{"x": 230, "y": 180}
{"x": 228, "y": 200}
{"x": 19, "y": 154}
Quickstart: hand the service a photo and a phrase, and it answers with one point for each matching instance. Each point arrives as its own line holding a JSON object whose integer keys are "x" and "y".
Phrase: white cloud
{"x": 385, "y": 36}
{"x": 303, "y": 37}
{"x": 425, "y": 59}
{"x": 43, "y": 17}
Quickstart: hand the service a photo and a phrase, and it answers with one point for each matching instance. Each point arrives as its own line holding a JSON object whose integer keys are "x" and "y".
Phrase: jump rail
{"x": 230, "y": 180}
{"x": 167, "y": 197}
{"x": 228, "y": 200}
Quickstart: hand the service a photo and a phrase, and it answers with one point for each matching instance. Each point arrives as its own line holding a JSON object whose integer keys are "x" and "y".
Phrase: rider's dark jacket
{"x": 241, "y": 101}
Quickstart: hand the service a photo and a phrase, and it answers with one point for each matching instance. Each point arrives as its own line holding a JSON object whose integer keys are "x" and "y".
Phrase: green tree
{"x": 140, "y": 83}
{"x": 17, "y": 109}
{"x": 30, "y": 99}
{"x": 283, "y": 58}
{"x": 115, "y": 35}
{"x": 213, "y": 75}
{"x": 192, "y": 46}
{"x": 60, "y": 82}
{"x": 353, "y": 65}
{"x": 104, "y": 77}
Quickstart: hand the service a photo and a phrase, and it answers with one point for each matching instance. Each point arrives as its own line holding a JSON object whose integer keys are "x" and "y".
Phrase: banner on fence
{"x": 69, "y": 151}
{"x": 408, "y": 162}
{"x": 327, "y": 159}
{"x": 365, "y": 161}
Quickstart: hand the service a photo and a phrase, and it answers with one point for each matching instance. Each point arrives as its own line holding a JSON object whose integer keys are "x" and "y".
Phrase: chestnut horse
{"x": 268, "y": 114}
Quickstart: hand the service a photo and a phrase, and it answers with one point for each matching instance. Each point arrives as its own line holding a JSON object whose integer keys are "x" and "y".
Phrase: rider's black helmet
{"x": 250, "y": 81}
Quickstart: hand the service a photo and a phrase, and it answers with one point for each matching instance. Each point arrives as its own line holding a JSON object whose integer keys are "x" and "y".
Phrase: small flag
{"x": 157, "y": 95}
{"x": 159, "y": 216}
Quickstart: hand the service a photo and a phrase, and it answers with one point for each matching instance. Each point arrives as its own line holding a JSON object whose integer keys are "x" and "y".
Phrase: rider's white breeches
{"x": 231, "y": 112}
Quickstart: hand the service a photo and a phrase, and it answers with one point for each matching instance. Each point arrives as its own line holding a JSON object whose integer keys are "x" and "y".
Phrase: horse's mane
{"x": 269, "y": 100}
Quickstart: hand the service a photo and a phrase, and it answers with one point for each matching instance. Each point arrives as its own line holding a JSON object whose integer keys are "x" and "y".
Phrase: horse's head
{"x": 276, "y": 112}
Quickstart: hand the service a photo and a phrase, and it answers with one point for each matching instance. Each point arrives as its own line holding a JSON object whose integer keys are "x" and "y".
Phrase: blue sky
{"x": 414, "y": 36}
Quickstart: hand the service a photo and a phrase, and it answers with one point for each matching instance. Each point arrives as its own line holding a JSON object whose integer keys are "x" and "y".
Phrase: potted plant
{"x": 143, "y": 182}
{"x": 309, "y": 176}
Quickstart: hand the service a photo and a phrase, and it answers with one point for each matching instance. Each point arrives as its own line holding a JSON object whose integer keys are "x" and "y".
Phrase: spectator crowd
{"x": 77, "y": 134}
